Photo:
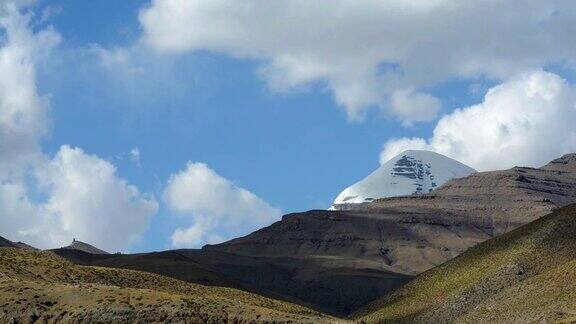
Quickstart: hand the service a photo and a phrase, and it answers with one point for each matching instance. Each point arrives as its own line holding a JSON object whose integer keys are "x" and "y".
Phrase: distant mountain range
{"x": 342, "y": 260}
{"x": 338, "y": 261}
{"x": 74, "y": 246}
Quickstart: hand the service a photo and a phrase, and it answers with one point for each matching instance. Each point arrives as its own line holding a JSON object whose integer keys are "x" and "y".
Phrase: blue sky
{"x": 293, "y": 146}
{"x": 296, "y": 151}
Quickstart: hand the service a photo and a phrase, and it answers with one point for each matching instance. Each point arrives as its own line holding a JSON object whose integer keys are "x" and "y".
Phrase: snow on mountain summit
{"x": 412, "y": 172}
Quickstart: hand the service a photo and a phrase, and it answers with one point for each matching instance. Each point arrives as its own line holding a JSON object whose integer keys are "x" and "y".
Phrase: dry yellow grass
{"x": 42, "y": 286}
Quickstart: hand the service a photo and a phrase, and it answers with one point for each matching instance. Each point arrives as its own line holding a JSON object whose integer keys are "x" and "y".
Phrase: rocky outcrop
{"x": 84, "y": 247}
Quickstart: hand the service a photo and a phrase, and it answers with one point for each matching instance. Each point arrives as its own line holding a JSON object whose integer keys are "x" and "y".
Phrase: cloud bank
{"x": 46, "y": 201}
{"x": 527, "y": 121}
{"x": 218, "y": 209}
{"x": 369, "y": 53}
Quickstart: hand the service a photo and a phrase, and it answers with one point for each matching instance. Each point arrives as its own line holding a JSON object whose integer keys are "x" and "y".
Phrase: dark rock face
{"x": 412, "y": 168}
{"x": 412, "y": 172}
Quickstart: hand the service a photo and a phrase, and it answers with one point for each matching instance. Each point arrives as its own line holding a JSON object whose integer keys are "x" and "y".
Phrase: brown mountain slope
{"x": 412, "y": 234}
{"x": 39, "y": 286}
{"x": 525, "y": 276}
{"x": 174, "y": 264}
{"x": 296, "y": 280}
{"x": 7, "y": 243}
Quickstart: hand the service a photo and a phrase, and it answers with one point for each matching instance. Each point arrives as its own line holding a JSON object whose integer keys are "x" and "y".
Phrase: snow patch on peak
{"x": 412, "y": 172}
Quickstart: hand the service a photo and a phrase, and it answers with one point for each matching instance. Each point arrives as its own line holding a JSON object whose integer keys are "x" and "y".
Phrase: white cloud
{"x": 89, "y": 201}
{"x": 528, "y": 121}
{"x": 84, "y": 198}
{"x": 218, "y": 209}
{"x": 396, "y": 146}
{"x": 23, "y": 117}
{"x": 23, "y": 113}
{"x": 199, "y": 233}
{"x": 414, "y": 107}
{"x": 18, "y": 214}
{"x": 366, "y": 51}
{"x": 46, "y": 201}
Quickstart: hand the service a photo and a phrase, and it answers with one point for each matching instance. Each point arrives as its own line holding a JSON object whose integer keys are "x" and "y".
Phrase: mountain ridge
{"x": 85, "y": 247}
{"x": 4, "y": 242}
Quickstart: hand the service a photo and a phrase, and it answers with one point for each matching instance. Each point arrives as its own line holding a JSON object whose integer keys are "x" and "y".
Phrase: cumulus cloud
{"x": 218, "y": 209}
{"x": 413, "y": 107}
{"x": 528, "y": 121}
{"x": 89, "y": 201}
{"x": 368, "y": 52}
{"x": 46, "y": 201}
{"x": 84, "y": 198}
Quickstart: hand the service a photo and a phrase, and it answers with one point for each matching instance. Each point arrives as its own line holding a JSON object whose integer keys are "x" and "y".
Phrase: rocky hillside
{"x": 39, "y": 286}
{"x": 524, "y": 276}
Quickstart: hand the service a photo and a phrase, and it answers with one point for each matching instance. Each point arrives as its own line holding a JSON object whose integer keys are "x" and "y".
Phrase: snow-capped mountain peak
{"x": 412, "y": 172}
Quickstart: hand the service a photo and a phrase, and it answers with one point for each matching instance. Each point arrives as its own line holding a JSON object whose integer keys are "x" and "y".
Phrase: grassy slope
{"x": 526, "y": 275}
{"x": 41, "y": 285}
